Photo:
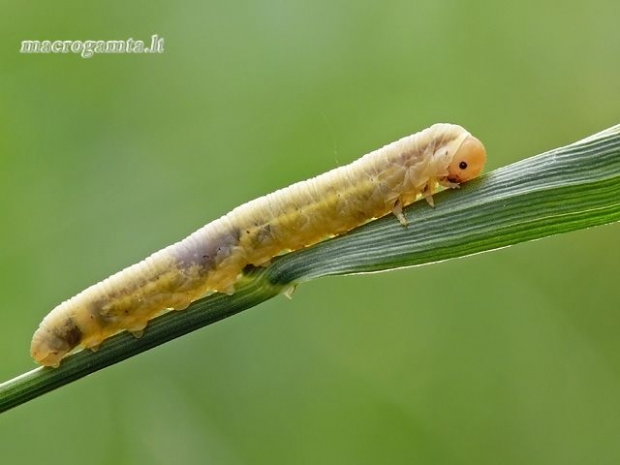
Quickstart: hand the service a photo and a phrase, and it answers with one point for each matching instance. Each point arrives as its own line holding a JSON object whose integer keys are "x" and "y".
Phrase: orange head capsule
{"x": 468, "y": 161}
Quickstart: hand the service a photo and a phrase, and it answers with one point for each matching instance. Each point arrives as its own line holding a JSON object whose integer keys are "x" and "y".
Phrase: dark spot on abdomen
{"x": 69, "y": 332}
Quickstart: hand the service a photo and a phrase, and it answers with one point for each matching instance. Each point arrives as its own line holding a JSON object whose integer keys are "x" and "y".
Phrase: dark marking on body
{"x": 68, "y": 332}
{"x": 99, "y": 311}
{"x": 189, "y": 254}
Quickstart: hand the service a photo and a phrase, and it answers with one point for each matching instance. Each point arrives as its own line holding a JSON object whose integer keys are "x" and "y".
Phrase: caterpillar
{"x": 212, "y": 258}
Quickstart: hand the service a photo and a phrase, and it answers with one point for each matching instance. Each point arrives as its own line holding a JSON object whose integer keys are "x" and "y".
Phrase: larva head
{"x": 468, "y": 161}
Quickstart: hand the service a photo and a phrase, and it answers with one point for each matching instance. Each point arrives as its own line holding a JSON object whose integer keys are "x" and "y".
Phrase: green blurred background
{"x": 510, "y": 357}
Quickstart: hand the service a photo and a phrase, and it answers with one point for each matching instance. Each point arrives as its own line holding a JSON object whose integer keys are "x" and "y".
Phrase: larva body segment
{"x": 211, "y": 259}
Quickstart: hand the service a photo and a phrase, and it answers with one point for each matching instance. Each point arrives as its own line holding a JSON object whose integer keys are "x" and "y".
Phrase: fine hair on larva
{"x": 212, "y": 258}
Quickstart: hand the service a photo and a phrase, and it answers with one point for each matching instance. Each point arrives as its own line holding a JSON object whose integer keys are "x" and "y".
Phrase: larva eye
{"x": 468, "y": 161}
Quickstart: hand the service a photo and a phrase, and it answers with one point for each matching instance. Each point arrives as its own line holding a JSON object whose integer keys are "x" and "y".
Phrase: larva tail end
{"x": 47, "y": 349}
{"x": 51, "y": 342}
{"x": 468, "y": 161}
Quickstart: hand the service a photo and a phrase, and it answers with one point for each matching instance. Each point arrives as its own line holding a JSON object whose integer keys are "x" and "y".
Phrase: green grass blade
{"x": 565, "y": 189}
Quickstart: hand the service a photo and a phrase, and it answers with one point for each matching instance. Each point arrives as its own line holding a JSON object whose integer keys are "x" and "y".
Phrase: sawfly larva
{"x": 212, "y": 258}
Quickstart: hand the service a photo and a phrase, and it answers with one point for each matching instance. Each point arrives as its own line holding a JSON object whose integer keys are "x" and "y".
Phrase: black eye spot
{"x": 463, "y": 165}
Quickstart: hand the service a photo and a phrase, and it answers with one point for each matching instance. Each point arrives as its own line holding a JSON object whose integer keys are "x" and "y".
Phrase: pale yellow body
{"x": 212, "y": 258}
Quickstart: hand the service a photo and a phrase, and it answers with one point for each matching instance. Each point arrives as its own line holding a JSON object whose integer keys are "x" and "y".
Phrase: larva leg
{"x": 449, "y": 185}
{"x": 428, "y": 192}
{"x": 137, "y": 329}
{"x": 93, "y": 344}
{"x": 398, "y": 212}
